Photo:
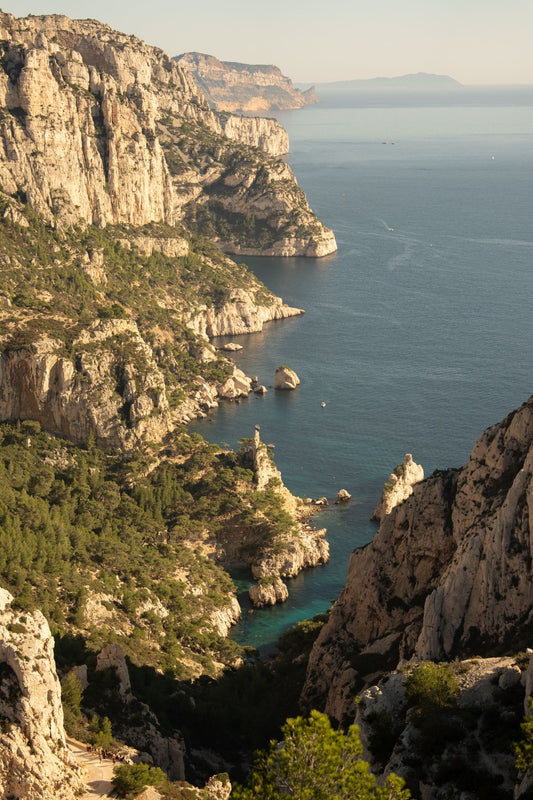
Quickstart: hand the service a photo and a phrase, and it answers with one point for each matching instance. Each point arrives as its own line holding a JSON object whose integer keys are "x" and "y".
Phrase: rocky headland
{"x": 244, "y": 88}
{"x": 447, "y": 574}
{"x": 293, "y": 545}
{"x": 100, "y": 128}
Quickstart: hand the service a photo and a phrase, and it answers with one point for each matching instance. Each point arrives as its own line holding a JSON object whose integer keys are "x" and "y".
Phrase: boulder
{"x": 286, "y": 378}
{"x": 343, "y": 496}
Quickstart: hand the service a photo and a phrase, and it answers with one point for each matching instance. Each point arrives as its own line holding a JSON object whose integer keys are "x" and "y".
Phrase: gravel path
{"x": 97, "y": 773}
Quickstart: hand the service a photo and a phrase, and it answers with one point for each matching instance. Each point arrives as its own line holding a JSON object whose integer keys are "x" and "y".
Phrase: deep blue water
{"x": 417, "y": 338}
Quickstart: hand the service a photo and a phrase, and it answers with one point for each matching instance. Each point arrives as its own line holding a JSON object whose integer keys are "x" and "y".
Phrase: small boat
{"x": 323, "y": 404}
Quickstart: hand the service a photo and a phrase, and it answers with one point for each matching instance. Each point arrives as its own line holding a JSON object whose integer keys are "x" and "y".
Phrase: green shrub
{"x": 316, "y": 762}
{"x": 432, "y": 686}
{"x": 130, "y": 780}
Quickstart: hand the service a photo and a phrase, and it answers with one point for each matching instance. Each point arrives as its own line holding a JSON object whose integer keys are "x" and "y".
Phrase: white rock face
{"x": 399, "y": 486}
{"x": 224, "y": 618}
{"x": 448, "y": 573}
{"x": 75, "y": 399}
{"x": 268, "y": 594}
{"x": 112, "y": 657}
{"x": 286, "y": 378}
{"x": 240, "y": 315}
{"x": 237, "y": 385}
{"x": 35, "y": 763}
{"x": 267, "y": 134}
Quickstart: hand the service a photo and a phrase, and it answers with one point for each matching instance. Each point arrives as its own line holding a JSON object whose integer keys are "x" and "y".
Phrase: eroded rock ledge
{"x": 448, "y": 573}
{"x": 242, "y": 314}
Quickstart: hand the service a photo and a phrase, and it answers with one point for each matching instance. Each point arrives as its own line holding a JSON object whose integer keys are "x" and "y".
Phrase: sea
{"x": 417, "y": 333}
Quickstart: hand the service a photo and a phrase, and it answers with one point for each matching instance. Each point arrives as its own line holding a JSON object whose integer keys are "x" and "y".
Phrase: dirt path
{"x": 97, "y": 773}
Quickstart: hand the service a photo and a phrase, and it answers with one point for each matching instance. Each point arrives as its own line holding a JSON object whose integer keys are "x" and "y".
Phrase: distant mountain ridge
{"x": 244, "y": 88}
{"x": 420, "y": 81}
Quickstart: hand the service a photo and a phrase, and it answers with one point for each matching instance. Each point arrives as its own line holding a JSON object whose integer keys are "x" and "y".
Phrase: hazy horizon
{"x": 477, "y": 43}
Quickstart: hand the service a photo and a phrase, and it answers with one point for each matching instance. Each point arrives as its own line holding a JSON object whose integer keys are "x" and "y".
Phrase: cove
{"x": 416, "y": 338}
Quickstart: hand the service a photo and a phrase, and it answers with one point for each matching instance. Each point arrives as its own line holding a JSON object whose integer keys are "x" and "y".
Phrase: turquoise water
{"x": 416, "y": 338}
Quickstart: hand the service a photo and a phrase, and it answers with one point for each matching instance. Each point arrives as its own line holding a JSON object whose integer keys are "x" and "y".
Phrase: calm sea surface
{"x": 418, "y": 333}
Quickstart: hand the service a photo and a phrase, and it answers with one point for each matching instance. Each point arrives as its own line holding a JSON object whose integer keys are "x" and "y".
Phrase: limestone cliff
{"x": 447, "y": 574}
{"x": 98, "y": 127}
{"x": 244, "y": 88}
{"x": 124, "y": 356}
{"x": 35, "y": 763}
{"x": 112, "y": 387}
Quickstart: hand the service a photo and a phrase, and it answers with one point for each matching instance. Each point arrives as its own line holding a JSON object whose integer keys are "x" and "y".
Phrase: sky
{"x": 312, "y": 41}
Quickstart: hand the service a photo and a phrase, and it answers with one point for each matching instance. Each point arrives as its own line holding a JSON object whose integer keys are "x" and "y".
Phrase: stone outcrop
{"x": 35, "y": 763}
{"x": 237, "y": 385}
{"x": 399, "y": 486}
{"x": 145, "y": 735}
{"x": 112, "y": 657}
{"x": 97, "y": 127}
{"x": 286, "y": 378}
{"x": 272, "y": 552}
{"x": 268, "y": 593}
{"x": 225, "y": 617}
{"x": 241, "y": 314}
{"x": 307, "y": 547}
{"x": 76, "y": 397}
{"x": 343, "y": 496}
{"x": 448, "y": 573}
{"x": 244, "y": 88}
{"x": 487, "y": 689}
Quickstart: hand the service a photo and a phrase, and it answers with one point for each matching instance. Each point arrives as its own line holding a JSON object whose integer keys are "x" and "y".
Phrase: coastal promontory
{"x": 244, "y": 88}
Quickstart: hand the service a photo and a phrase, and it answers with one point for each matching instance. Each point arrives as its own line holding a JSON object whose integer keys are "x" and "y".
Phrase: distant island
{"x": 420, "y": 81}
{"x": 244, "y": 88}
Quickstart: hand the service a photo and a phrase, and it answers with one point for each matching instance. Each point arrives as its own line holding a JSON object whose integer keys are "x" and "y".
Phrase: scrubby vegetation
{"x": 125, "y": 549}
{"x": 46, "y": 288}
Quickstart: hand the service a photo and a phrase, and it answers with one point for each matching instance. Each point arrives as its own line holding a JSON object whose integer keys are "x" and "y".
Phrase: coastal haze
{"x": 479, "y": 42}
